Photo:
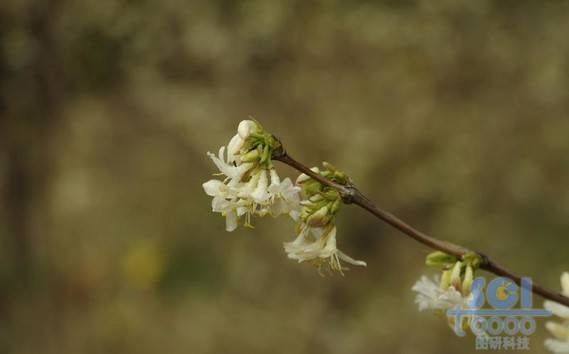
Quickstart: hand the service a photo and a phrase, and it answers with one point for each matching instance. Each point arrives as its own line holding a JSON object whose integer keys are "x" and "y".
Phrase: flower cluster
{"x": 560, "y": 330}
{"x": 452, "y": 289}
{"x": 251, "y": 185}
{"x": 316, "y": 230}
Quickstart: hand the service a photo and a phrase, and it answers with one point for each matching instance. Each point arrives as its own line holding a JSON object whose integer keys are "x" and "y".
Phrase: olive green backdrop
{"x": 454, "y": 115}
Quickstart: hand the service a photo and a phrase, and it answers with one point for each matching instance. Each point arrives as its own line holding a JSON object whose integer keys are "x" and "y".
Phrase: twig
{"x": 352, "y": 195}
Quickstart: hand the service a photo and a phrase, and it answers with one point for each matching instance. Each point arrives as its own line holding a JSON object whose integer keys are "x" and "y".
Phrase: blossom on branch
{"x": 251, "y": 185}
{"x": 560, "y": 330}
{"x": 316, "y": 229}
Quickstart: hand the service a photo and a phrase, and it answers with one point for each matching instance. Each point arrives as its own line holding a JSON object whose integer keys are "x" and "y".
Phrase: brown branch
{"x": 352, "y": 195}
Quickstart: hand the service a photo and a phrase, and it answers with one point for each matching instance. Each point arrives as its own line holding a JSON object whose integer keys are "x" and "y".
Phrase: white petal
{"x": 557, "y": 309}
{"x": 245, "y": 128}
{"x": 245, "y": 190}
{"x": 220, "y": 163}
{"x": 278, "y": 207}
{"x": 557, "y": 347}
{"x": 235, "y": 144}
{"x": 212, "y": 187}
{"x": 260, "y": 194}
{"x": 558, "y": 330}
{"x": 350, "y": 260}
{"x": 303, "y": 177}
{"x": 565, "y": 283}
{"x": 294, "y": 214}
{"x": 230, "y": 221}
{"x": 220, "y": 204}
{"x": 275, "y": 179}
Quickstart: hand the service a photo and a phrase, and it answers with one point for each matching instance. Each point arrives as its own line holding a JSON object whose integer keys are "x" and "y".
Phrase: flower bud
{"x": 251, "y": 156}
{"x": 315, "y": 198}
{"x": 304, "y": 177}
{"x": 319, "y": 218}
{"x": 472, "y": 258}
{"x": 445, "y": 280}
{"x": 331, "y": 194}
{"x": 440, "y": 260}
{"x": 565, "y": 283}
{"x": 246, "y": 127}
{"x": 455, "y": 276}
{"x": 468, "y": 280}
{"x": 311, "y": 187}
{"x": 335, "y": 207}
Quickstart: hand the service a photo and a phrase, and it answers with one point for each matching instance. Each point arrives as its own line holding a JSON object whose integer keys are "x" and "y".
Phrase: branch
{"x": 352, "y": 195}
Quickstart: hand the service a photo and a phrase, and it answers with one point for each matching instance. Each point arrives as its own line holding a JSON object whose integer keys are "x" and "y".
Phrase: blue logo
{"x": 499, "y": 314}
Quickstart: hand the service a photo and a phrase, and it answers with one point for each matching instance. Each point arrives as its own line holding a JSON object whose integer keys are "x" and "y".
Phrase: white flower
{"x": 560, "y": 331}
{"x": 248, "y": 188}
{"x": 444, "y": 296}
{"x": 318, "y": 246}
{"x": 234, "y": 173}
{"x": 284, "y": 196}
{"x": 430, "y": 296}
{"x": 224, "y": 201}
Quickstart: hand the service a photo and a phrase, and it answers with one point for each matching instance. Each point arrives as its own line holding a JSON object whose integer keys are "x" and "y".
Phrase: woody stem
{"x": 352, "y": 195}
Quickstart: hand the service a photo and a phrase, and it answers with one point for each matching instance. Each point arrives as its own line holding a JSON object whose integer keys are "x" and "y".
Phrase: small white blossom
{"x": 560, "y": 330}
{"x": 453, "y": 290}
{"x": 233, "y": 173}
{"x": 317, "y": 245}
{"x": 224, "y": 201}
{"x": 285, "y": 197}
{"x": 251, "y": 187}
{"x": 430, "y": 296}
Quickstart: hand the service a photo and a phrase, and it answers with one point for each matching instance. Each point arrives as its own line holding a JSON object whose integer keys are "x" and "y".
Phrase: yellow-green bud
{"x": 445, "y": 280}
{"x": 318, "y": 219}
{"x": 311, "y": 187}
{"x": 455, "y": 276}
{"x": 440, "y": 259}
{"x": 468, "y": 280}
{"x": 472, "y": 258}
{"x": 336, "y": 206}
{"x": 250, "y": 156}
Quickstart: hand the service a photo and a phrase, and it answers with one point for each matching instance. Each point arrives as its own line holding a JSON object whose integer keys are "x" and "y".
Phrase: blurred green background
{"x": 451, "y": 114}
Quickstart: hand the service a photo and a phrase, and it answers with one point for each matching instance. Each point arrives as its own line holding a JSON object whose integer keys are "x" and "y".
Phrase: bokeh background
{"x": 453, "y": 115}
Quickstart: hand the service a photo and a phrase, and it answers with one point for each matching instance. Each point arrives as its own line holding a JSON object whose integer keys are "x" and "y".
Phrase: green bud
{"x": 455, "y": 275}
{"x": 319, "y": 218}
{"x": 311, "y": 187}
{"x": 305, "y": 213}
{"x": 468, "y": 280}
{"x": 335, "y": 174}
{"x": 440, "y": 259}
{"x": 251, "y": 156}
{"x": 336, "y": 206}
{"x": 329, "y": 166}
{"x": 330, "y": 194}
{"x": 445, "y": 279}
{"x": 472, "y": 258}
{"x": 266, "y": 155}
{"x": 316, "y": 198}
